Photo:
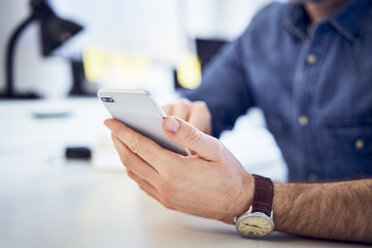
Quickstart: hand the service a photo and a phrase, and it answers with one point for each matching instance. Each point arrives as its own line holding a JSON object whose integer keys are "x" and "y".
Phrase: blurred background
{"x": 56, "y": 157}
{"x": 121, "y": 41}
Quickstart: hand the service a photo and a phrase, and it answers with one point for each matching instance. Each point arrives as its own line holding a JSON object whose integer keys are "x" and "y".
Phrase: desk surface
{"x": 46, "y": 201}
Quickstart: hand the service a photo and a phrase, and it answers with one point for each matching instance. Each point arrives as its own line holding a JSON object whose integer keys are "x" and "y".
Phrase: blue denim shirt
{"x": 313, "y": 85}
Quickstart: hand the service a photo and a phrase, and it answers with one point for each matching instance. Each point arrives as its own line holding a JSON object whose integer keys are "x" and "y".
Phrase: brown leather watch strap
{"x": 263, "y": 195}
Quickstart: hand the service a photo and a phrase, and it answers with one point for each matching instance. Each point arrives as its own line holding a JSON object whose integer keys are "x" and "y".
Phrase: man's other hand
{"x": 196, "y": 113}
{"x": 212, "y": 183}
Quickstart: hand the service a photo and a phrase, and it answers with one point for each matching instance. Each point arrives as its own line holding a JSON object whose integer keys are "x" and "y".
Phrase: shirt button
{"x": 303, "y": 120}
{"x": 359, "y": 144}
{"x": 311, "y": 59}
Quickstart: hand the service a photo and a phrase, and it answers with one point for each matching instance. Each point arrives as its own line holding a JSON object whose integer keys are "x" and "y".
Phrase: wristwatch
{"x": 258, "y": 221}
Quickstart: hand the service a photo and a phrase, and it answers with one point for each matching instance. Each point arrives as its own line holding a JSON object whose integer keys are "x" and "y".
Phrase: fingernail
{"x": 172, "y": 124}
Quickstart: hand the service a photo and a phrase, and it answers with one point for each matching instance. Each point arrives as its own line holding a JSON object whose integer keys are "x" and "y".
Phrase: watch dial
{"x": 255, "y": 227}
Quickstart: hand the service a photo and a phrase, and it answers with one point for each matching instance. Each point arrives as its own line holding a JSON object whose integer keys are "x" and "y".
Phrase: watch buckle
{"x": 250, "y": 209}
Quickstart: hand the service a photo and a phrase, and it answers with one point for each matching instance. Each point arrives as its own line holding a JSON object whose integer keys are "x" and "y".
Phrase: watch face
{"x": 255, "y": 226}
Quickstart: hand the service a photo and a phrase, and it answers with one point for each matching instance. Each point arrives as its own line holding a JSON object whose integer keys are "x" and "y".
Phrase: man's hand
{"x": 211, "y": 183}
{"x": 196, "y": 113}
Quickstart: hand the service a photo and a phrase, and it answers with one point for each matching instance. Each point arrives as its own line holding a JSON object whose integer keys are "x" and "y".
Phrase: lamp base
{"x": 19, "y": 96}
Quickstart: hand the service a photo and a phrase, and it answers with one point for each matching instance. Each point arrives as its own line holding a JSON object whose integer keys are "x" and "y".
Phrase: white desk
{"x": 46, "y": 201}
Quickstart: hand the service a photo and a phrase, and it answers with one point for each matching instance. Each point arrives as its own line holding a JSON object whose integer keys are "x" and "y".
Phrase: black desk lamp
{"x": 54, "y": 32}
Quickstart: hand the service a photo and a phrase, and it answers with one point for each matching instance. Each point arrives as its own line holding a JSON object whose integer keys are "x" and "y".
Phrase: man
{"x": 307, "y": 66}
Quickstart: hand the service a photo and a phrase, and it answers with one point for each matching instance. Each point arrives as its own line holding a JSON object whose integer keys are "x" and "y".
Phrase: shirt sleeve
{"x": 224, "y": 88}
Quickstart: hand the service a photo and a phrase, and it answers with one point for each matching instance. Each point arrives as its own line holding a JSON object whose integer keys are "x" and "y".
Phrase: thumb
{"x": 186, "y": 135}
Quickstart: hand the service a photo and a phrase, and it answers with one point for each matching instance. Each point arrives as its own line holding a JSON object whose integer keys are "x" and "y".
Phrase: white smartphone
{"x": 138, "y": 110}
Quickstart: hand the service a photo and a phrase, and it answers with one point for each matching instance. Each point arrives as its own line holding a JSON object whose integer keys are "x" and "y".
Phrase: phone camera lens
{"x": 108, "y": 99}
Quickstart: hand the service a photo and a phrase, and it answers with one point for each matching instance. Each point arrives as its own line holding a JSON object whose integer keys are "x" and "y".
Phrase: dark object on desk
{"x": 51, "y": 115}
{"x": 84, "y": 153}
{"x": 54, "y": 32}
{"x": 206, "y": 49}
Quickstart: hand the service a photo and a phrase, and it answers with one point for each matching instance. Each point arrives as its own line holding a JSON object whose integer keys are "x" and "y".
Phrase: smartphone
{"x": 138, "y": 110}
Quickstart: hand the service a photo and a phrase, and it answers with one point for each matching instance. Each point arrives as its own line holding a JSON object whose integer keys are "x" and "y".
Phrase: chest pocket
{"x": 347, "y": 146}
{"x": 343, "y": 138}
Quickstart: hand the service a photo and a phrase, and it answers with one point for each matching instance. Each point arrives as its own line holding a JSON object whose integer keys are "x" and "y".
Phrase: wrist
{"x": 243, "y": 200}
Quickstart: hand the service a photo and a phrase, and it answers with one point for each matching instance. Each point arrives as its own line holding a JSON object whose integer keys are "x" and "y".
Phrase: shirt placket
{"x": 306, "y": 77}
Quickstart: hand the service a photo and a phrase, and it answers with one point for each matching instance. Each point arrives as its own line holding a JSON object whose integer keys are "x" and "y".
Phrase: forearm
{"x": 341, "y": 210}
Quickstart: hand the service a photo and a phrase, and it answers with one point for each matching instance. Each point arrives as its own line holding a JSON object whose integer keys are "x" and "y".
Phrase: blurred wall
{"x": 223, "y": 19}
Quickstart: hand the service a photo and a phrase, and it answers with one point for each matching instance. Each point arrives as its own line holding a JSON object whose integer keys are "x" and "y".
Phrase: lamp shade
{"x": 54, "y": 30}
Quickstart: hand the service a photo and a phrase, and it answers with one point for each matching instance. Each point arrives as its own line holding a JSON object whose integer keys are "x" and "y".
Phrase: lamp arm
{"x": 10, "y": 55}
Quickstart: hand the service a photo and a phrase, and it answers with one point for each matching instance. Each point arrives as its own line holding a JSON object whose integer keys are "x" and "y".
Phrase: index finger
{"x": 167, "y": 109}
{"x": 200, "y": 117}
{"x": 144, "y": 147}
